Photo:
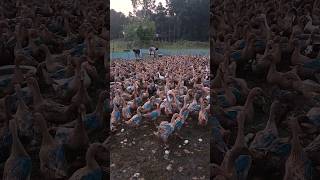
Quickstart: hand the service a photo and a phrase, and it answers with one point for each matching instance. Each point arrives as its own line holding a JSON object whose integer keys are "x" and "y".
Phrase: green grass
{"x": 120, "y": 45}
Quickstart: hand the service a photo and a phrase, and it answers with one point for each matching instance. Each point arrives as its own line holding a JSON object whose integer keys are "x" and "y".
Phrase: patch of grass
{"x": 120, "y": 45}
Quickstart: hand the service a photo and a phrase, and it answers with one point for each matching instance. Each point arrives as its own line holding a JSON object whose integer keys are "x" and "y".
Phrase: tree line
{"x": 177, "y": 20}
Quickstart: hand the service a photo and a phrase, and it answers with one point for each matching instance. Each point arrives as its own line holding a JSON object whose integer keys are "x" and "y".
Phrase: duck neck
{"x": 46, "y": 137}
{"x": 99, "y": 107}
{"x": 271, "y": 124}
{"x": 296, "y": 148}
{"x": 139, "y": 112}
{"x": 266, "y": 51}
{"x": 82, "y": 89}
{"x": 18, "y": 43}
{"x": 31, "y": 42}
{"x": 202, "y": 106}
{"x": 240, "y": 134}
{"x": 80, "y": 122}
{"x": 37, "y": 97}
{"x": 249, "y": 101}
{"x": 272, "y": 69}
{"x": 21, "y": 105}
{"x": 17, "y": 147}
{"x": 90, "y": 159}
{"x": 239, "y": 144}
{"x": 48, "y": 53}
{"x": 296, "y": 51}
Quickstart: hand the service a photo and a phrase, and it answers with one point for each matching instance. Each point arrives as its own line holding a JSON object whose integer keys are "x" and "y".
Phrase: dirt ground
{"x": 137, "y": 153}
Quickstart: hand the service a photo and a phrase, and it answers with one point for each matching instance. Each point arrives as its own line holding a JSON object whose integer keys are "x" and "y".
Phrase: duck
{"x": 136, "y": 119}
{"x": 176, "y": 103}
{"x": 237, "y": 160}
{"x": 160, "y": 76}
{"x": 118, "y": 100}
{"x": 313, "y": 116}
{"x": 187, "y": 99}
{"x": 228, "y": 115}
{"x": 216, "y": 56}
{"x": 23, "y": 116}
{"x": 19, "y": 164}
{"x": 247, "y": 53}
{"x": 126, "y": 111}
{"x": 312, "y": 149}
{"x": 136, "y": 101}
{"x": 263, "y": 61}
{"x": 147, "y": 106}
{"x": 194, "y": 106}
{"x": 203, "y": 113}
{"x": 32, "y": 43}
{"x": 66, "y": 72}
{"x": 239, "y": 87}
{"x": 18, "y": 77}
{"x": 92, "y": 170}
{"x": 298, "y": 164}
{"x": 74, "y": 138}
{"x": 218, "y": 147}
{"x": 52, "y": 62}
{"x": 115, "y": 115}
{"x": 82, "y": 96}
{"x": 217, "y": 81}
{"x": 309, "y": 65}
{"x": 184, "y": 111}
{"x": 52, "y": 154}
{"x": 168, "y": 105}
{"x": 309, "y": 27}
{"x": 52, "y": 111}
{"x": 20, "y": 52}
{"x": 145, "y": 94}
{"x": 165, "y": 129}
{"x": 69, "y": 86}
{"x": 179, "y": 121}
{"x": 228, "y": 98}
{"x": 307, "y": 87}
{"x": 264, "y": 138}
{"x": 153, "y": 115}
{"x": 278, "y": 78}
{"x": 5, "y": 134}
{"x": 95, "y": 121}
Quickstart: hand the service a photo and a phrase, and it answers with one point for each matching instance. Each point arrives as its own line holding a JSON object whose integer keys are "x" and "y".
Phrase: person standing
{"x": 153, "y": 51}
{"x": 136, "y": 53}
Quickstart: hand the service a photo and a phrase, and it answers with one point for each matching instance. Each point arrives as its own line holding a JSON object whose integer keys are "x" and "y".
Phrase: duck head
{"x": 91, "y": 70}
{"x": 257, "y": 94}
{"x": 152, "y": 99}
{"x": 139, "y": 109}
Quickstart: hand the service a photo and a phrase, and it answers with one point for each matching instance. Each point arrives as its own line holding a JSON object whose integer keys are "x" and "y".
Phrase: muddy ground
{"x": 138, "y": 154}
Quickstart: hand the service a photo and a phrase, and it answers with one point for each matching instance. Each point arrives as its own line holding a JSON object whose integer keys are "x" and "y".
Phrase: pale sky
{"x": 125, "y": 6}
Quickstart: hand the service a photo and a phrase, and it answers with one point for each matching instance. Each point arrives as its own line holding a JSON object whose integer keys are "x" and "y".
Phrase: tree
{"x": 147, "y": 7}
{"x": 140, "y": 31}
{"x": 118, "y": 21}
{"x": 178, "y": 20}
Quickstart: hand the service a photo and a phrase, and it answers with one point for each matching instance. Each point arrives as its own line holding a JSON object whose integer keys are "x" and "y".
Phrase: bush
{"x": 141, "y": 32}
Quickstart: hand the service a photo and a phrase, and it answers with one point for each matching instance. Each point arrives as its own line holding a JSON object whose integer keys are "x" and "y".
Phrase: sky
{"x": 125, "y": 6}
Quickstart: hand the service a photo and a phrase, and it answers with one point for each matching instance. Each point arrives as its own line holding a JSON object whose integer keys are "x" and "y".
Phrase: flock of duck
{"x": 265, "y": 89}
{"x": 265, "y": 57}
{"x": 157, "y": 90}
{"x": 48, "y": 120}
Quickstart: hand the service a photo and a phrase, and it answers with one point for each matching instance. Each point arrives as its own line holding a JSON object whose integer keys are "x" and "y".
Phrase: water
{"x": 165, "y": 52}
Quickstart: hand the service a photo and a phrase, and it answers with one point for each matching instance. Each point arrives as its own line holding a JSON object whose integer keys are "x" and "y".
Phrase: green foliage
{"x": 178, "y": 20}
{"x": 141, "y": 31}
{"x": 118, "y": 21}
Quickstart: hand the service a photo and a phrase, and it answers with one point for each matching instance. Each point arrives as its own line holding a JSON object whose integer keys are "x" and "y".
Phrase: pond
{"x": 165, "y": 52}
